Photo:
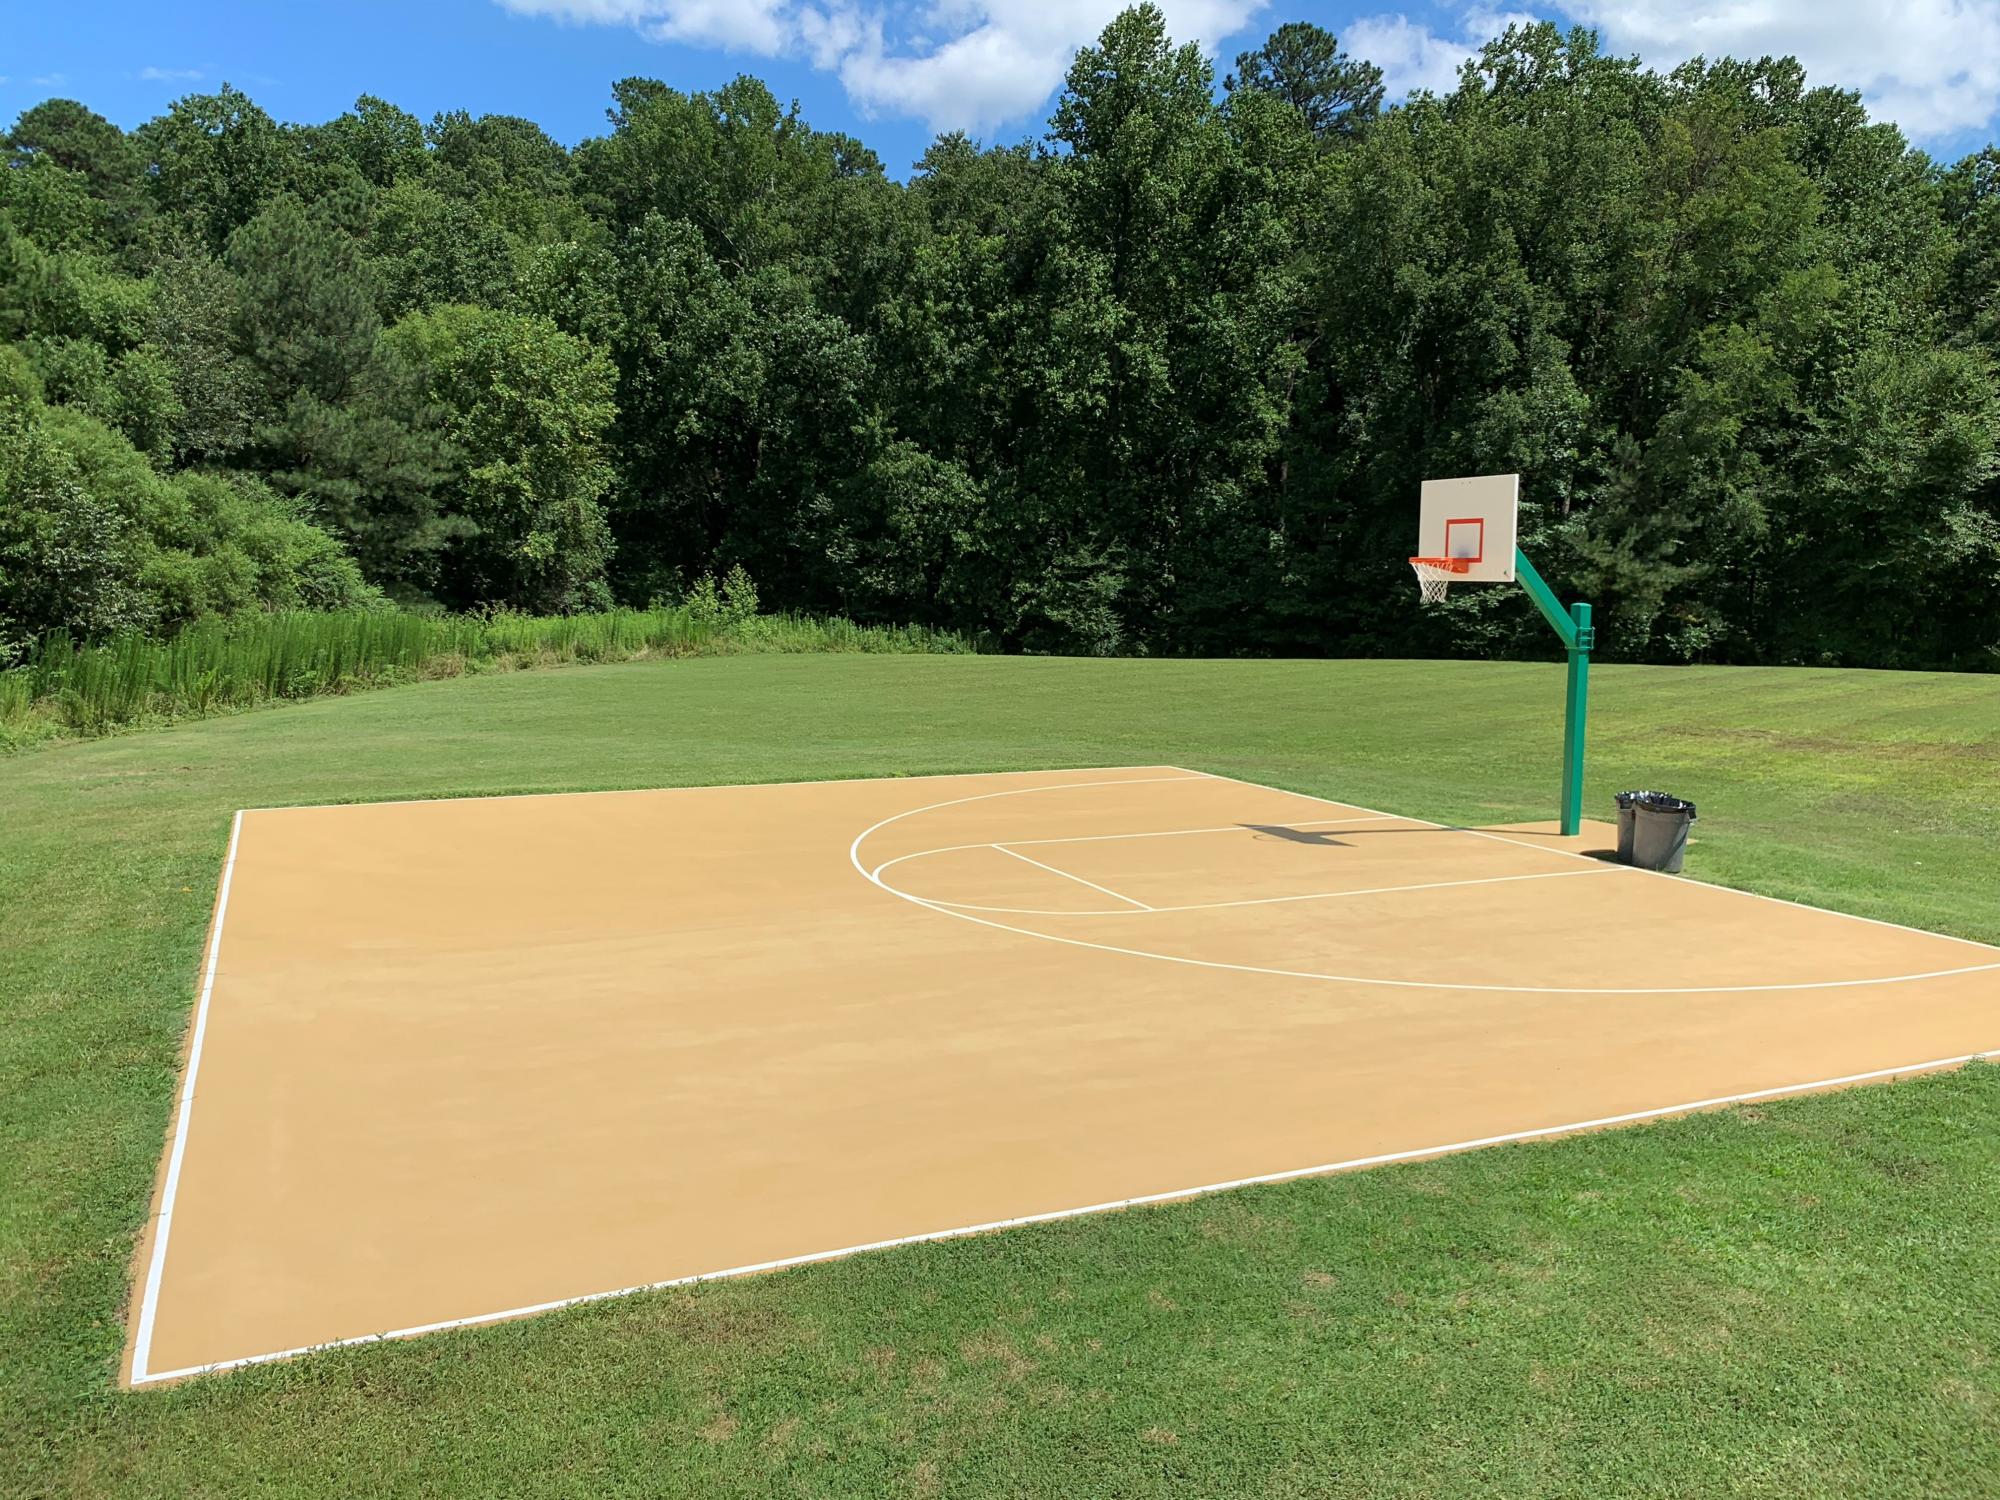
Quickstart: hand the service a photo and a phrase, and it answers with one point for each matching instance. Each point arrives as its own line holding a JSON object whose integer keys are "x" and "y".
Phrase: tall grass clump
{"x": 68, "y": 687}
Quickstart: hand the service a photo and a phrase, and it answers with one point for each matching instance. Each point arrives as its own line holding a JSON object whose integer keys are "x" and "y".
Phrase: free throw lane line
{"x": 1375, "y": 890}
{"x": 1103, "y": 890}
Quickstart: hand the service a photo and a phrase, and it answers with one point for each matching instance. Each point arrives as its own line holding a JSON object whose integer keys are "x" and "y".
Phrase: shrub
{"x": 730, "y": 602}
{"x": 69, "y": 557}
{"x": 94, "y": 541}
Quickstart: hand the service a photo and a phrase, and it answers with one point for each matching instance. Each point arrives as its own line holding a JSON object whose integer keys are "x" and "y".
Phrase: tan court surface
{"x": 461, "y": 1060}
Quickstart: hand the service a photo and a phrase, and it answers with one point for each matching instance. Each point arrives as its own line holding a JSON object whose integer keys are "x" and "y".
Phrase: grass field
{"x": 1798, "y": 1299}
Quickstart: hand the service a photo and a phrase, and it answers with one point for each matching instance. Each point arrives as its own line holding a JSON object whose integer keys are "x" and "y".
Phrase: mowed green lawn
{"x": 1797, "y": 1299}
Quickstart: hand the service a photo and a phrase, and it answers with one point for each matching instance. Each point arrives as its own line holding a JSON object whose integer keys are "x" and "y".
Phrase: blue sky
{"x": 894, "y": 71}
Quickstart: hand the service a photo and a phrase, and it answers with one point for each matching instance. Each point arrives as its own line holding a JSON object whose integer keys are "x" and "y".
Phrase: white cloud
{"x": 956, "y": 64}
{"x": 1412, "y": 56}
{"x": 170, "y": 75}
{"x": 978, "y": 78}
{"x": 763, "y": 26}
{"x": 1932, "y": 66}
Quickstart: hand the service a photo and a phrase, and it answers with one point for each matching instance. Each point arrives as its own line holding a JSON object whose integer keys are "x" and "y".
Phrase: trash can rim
{"x": 1664, "y": 803}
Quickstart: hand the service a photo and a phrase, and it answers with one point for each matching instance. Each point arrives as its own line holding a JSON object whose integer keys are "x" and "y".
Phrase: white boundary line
{"x": 142, "y": 1338}
{"x": 1324, "y": 1169}
{"x": 1102, "y": 890}
{"x": 874, "y": 878}
{"x": 1481, "y": 833}
{"x": 744, "y": 786}
{"x": 149, "y": 1305}
{"x": 1376, "y": 890}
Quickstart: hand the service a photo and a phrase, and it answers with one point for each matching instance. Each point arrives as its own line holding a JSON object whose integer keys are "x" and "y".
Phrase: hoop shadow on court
{"x": 1323, "y": 838}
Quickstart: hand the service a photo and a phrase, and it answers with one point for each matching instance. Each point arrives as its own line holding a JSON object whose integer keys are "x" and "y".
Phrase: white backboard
{"x": 1473, "y": 519}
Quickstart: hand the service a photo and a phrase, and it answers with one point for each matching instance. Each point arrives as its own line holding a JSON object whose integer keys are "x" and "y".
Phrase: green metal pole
{"x": 1576, "y": 715}
{"x": 1578, "y": 638}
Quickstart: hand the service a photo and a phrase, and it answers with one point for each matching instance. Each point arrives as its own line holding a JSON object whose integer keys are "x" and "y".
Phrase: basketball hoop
{"x": 1434, "y": 575}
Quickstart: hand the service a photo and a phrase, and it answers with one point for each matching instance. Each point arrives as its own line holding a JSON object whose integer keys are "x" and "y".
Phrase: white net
{"x": 1434, "y": 576}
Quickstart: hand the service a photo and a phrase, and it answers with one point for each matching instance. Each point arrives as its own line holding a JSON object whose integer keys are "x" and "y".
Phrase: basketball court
{"x": 460, "y": 1061}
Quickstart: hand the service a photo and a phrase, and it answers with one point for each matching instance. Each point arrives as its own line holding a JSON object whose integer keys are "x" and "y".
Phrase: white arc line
{"x": 1016, "y": 791}
{"x": 1103, "y": 890}
{"x": 1325, "y": 1169}
{"x": 874, "y": 878}
{"x": 1735, "y": 890}
{"x": 149, "y": 1305}
{"x": 1427, "y": 984}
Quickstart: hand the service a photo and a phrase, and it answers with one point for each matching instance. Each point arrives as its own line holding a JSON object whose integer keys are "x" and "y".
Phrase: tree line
{"x": 1164, "y": 382}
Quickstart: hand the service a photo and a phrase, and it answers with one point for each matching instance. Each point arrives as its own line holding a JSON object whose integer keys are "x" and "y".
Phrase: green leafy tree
{"x": 527, "y": 408}
{"x": 1173, "y": 314}
{"x": 144, "y": 403}
{"x": 19, "y": 380}
{"x": 386, "y": 145}
{"x": 214, "y": 161}
{"x": 574, "y": 285}
{"x": 53, "y": 207}
{"x": 1165, "y": 382}
{"x": 134, "y": 393}
{"x": 965, "y": 340}
{"x": 307, "y": 316}
{"x": 744, "y": 417}
{"x": 1971, "y": 207}
{"x": 510, "y": 171}
{"x": 217, "y": 390}
{"x": 94, "y": 540}
{"x": 68, "y": 294}
{"x": 343, "y": 423}
{"x": 758, "y": 184}
{"x": 76, "y": 142}
{"x": 428, "y": 249}
{"x": 1302, "y": 64}
{"x": 371, "y": 469}
{"x": 68, "y": 557}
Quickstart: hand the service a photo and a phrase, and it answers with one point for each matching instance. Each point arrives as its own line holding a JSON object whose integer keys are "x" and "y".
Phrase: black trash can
{"x": 1660, "y": 831}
